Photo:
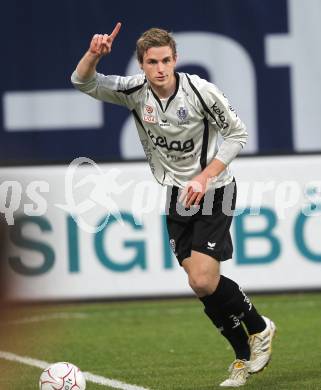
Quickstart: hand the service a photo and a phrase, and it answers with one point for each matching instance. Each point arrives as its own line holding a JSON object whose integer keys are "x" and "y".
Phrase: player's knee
{"x": 202, "y": 284}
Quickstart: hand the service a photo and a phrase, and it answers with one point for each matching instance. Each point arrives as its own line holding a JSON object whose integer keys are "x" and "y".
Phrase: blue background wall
{"x": 42, "y": 42}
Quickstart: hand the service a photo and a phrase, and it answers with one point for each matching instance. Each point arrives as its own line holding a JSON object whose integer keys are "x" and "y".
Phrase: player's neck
{"x": 164, "y": 92}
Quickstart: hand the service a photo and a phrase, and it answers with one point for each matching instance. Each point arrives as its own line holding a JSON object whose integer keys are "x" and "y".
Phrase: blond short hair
{"x": 154, "y": 37}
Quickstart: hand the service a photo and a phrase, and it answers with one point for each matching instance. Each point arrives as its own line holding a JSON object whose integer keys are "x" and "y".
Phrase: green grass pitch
{"x": 160, "y": 345}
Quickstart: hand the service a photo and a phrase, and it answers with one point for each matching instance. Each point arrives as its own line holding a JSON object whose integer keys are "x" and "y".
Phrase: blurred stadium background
{"x": 55, "y": 247}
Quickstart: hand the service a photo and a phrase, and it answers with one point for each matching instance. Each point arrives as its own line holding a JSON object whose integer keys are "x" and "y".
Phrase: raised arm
{"x": 100, "y": 46}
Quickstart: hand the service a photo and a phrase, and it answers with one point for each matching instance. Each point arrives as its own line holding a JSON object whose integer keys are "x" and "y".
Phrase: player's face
{"x": 159, "y": 65}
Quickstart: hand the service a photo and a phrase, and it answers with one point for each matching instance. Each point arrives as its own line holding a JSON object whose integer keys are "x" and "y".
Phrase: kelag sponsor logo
{"x": 219, "y": 114}
{"x": 176, "y": 145}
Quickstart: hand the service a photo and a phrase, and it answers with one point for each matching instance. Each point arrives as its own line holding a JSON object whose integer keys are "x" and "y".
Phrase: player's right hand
{"x": 101, "y": 44}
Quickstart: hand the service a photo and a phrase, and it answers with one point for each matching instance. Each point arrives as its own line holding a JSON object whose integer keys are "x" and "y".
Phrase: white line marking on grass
{"x": 23, "y": 359}
{"x": 45, "y": 317}
{"x": 100, "y": 380}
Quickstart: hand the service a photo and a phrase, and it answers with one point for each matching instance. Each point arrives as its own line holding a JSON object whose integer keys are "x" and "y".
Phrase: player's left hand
{"x": 101, "y": 44}
{"x": 194, "y": 191}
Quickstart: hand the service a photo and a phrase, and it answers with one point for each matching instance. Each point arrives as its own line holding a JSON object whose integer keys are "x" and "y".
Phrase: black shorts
{"x": 205, "y": 229}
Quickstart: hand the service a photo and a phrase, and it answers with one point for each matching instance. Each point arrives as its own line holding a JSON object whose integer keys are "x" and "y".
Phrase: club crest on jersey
{"x": 182, "y": 113}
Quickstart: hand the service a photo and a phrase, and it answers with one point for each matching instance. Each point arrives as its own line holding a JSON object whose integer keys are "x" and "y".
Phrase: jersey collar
{"x": 170, "y": 98}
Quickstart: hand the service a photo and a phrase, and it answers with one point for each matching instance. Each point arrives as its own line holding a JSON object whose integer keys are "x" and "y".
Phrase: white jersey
{"x": 179, "y": 136}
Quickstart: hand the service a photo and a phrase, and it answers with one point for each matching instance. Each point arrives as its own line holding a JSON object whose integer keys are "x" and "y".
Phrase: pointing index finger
{"x": 115, "y": 30}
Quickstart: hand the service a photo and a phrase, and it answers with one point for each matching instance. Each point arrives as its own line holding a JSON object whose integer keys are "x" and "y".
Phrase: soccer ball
{"x": 63, "y": 376}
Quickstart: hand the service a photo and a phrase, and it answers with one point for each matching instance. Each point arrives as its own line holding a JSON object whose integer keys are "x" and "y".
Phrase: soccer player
{"x": 179, "y": 118}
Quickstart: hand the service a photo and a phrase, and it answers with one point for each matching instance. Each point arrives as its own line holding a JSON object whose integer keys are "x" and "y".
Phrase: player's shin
{"x": 233, "y": 332}
{"x": 232, "y": 302}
